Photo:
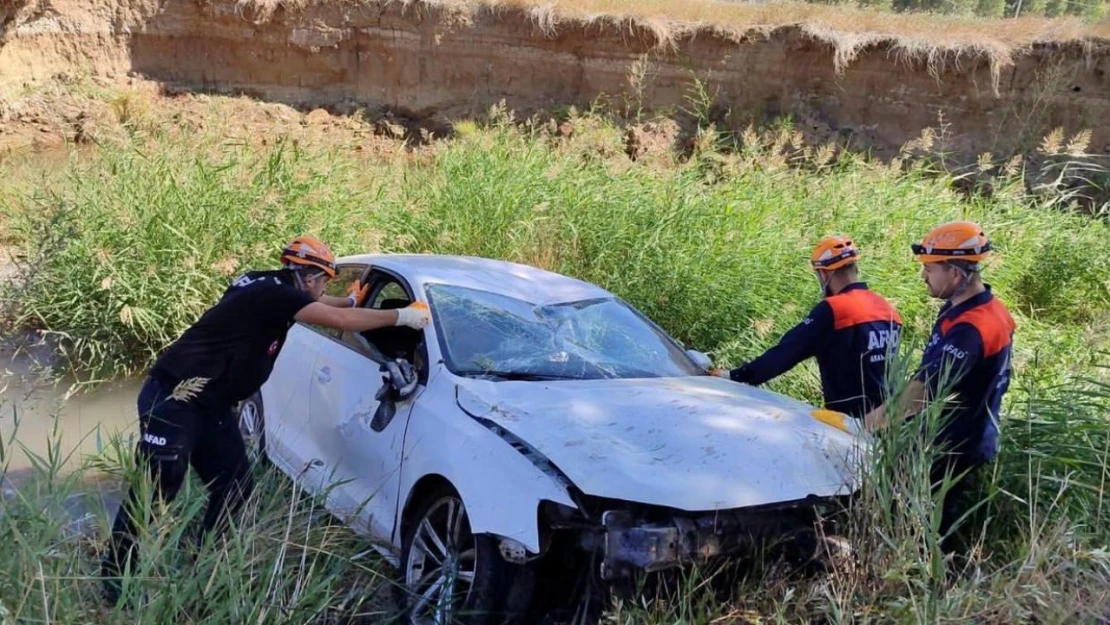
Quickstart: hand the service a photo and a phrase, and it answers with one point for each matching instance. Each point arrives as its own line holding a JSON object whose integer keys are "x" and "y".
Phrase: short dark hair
{"x": 966, "y": 266}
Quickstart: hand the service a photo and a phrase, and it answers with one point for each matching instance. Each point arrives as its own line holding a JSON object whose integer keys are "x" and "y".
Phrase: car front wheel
{"x": 451, "y": 575}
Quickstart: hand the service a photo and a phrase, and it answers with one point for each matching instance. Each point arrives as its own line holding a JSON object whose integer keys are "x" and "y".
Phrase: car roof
{"x": 524, "y": 282}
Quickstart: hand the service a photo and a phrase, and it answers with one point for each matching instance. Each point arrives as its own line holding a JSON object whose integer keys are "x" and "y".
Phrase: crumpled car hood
{"x": 694, "y": 443}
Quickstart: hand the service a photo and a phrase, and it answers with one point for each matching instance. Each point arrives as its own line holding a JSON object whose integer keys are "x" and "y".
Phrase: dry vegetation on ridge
{"x": 938, "y": 40}
{"x": 871, "y": 80}
{"x": 672, "y": 20}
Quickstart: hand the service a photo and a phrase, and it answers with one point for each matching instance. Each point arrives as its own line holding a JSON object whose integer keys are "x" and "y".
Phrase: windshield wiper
{"x": 518, "y": 375}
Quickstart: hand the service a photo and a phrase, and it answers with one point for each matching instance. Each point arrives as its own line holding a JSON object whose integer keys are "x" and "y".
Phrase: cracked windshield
{"x": 483, "y": 333}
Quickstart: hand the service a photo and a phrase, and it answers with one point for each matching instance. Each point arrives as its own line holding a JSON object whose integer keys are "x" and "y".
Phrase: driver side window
{"x": 343, "y": 279}
{"x": 345, "y": 275}
{"x": 387, "y": 293}
{"x": 390, "y": 294}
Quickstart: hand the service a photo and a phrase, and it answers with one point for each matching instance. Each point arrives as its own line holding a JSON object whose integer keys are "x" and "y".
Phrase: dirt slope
{"x": 438, "y": 60}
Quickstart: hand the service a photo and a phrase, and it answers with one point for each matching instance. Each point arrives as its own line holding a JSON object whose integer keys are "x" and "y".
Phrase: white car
{"x": 537, "y": 418}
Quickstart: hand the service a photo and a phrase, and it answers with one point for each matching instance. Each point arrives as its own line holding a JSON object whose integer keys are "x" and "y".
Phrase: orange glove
{"x": 356, "y": 293}
{"x": 416, "y": 315}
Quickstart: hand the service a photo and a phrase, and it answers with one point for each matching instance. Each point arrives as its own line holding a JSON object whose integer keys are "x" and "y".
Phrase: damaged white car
{"x": 539, "y": 420}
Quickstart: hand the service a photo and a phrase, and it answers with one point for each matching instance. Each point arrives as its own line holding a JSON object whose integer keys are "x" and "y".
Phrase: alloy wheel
{"x": 250, "y": 426}
{"x": 441, "y": 564}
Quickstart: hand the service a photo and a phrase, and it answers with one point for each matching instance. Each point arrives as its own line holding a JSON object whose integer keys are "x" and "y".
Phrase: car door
{"x": 285, "y": 400}
{"x": 290, "y": 439}
{"x": 303, "y": 441}
{"x": 362, "y": 455}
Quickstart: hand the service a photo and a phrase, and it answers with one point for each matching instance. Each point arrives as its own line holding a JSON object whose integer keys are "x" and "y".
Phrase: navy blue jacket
{"x": 851, "y": 334}
{"x": 968, "y": 355}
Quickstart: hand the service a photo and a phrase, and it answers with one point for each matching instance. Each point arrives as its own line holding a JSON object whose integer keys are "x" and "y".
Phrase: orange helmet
{"x": 833, "y": 252}
{"x": 955, "y": 240}
{"x": 311, "y": 252}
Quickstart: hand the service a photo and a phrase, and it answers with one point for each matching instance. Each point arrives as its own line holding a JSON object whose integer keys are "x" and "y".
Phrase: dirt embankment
{"x": 429, "y": 60}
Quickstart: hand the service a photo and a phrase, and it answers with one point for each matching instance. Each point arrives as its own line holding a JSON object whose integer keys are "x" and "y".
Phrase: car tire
{"x": 252, "y": 426}
{"x": 479, "y": 602}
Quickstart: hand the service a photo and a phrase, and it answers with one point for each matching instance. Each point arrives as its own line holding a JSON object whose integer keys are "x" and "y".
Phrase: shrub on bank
{"x": 134, "y": 241}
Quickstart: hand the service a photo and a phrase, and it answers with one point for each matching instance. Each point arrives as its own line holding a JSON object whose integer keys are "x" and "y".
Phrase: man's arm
{"x": 913, "y": 400}
{"x": 362, "y": 319}
{"x": 335, "y": 302}
{"x": 356, "y": 296}
{"x": 957, "y": 353}
{"x": 799, "y": 343}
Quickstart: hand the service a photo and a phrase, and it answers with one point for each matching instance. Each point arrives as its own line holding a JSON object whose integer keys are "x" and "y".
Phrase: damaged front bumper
{"x": 631, "y": 544}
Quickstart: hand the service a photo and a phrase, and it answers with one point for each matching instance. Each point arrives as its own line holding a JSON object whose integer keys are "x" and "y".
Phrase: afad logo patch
{"x": 274, "y": 347}
{"x": 151, "y": 439}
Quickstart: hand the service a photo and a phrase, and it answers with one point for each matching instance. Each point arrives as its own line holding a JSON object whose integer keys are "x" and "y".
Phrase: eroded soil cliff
{"x": 440, "y": 61}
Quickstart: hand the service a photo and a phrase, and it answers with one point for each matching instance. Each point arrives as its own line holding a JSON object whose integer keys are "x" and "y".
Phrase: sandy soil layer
{"x": 430, "y": 62}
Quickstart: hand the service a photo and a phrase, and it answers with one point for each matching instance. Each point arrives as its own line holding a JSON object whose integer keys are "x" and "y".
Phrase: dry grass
{"x": 742, "y": 19}
{"x": 941, "y": 42}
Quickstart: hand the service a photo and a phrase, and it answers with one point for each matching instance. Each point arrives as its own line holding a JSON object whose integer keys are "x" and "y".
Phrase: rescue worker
{"x": 851, "y": 332}
{"x": 968, "y": 356}
{"x": 186, "y": 404}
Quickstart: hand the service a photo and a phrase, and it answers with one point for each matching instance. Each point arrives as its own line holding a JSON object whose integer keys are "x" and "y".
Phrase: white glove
{"x": 721, "y": 373}
{"x": 415, "y": 315}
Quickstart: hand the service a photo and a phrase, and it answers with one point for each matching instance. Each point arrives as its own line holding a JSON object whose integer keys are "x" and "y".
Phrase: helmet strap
{"x": 298, "y": 279}
{"x": 301, "y": 275}
{"x": 823, "y": 283}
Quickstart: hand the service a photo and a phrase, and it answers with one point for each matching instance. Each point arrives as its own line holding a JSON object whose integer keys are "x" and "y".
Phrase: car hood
{"x": 693, "y": 443}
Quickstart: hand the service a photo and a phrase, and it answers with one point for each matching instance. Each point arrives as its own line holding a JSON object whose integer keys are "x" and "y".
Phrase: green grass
{"x": 129, "y": 246}
{"x": 1042, "y": 555}
{"x": 130, "y": 242}
{"x": 284, "y": 560}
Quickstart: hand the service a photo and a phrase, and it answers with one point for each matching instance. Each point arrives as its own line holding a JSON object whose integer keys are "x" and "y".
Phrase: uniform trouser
{"x": 173, "y": 436}
{"x": 959, "y": 498}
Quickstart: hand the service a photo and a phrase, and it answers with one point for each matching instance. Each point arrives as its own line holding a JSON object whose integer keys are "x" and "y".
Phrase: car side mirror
{"x": 700, "y": 358}
{"x": 399, "y": 380}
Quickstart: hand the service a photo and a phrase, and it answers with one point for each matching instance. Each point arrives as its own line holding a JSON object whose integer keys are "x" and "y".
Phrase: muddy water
{"x": 39, "y": 411}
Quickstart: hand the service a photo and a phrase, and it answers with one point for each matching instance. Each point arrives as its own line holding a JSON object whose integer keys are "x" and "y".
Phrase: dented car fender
{"x": 499, "y": 485}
